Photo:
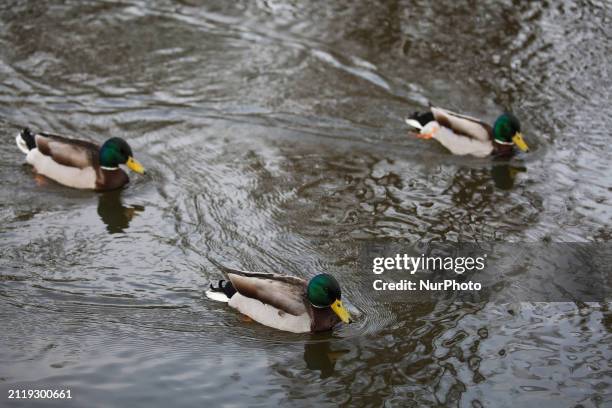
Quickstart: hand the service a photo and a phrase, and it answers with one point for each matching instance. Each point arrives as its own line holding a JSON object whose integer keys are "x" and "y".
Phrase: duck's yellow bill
{"x": 518, "y": 140}
{"x": 341, "y": 311}
{"x": 135, "y": 166}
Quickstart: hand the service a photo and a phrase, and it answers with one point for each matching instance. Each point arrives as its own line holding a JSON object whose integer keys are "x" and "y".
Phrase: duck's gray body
{"x": 73, "y": 163}
{"x": 276, "y": 301}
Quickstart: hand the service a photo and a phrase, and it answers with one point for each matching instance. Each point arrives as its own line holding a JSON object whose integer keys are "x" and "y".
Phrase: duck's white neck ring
{"x": 109, "y": 168}
{"x": 504, "y": 143}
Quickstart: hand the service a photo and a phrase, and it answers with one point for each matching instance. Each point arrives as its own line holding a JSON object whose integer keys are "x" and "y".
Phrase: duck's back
{"x": 462, "y": 124}
{"x": 273, "y": 300}
{"x": 68, "y": 152}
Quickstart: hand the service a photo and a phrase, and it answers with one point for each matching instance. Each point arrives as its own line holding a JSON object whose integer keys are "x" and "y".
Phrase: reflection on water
{"x": 320, "y": 356}
{"x": 504, "y": 175}
{"x": 113, "y": 213}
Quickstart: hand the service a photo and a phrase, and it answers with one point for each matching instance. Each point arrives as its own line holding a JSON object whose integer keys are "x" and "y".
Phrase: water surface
{"x": 273, "y": 138}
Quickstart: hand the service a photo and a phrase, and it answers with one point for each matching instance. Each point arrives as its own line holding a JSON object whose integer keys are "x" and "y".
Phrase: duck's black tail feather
{"x": 423, "y": 117}
{"x": 227, "y": 288}
{"x": 28, "y": 138}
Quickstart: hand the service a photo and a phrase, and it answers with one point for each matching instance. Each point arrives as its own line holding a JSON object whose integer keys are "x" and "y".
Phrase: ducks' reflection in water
{"x": 114, "y": 214}
{"x": 321, "y": 357}
{"x": 504, "y": 175}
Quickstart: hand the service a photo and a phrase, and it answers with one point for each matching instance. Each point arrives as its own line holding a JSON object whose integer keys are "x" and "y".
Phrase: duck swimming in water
{"x": 283, "y": 302}
{"x": 464, "y": 135}
{"x": 78, "y": 163}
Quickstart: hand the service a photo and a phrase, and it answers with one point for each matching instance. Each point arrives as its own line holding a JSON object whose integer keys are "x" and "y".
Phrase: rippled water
{"x": 273, "y": 136}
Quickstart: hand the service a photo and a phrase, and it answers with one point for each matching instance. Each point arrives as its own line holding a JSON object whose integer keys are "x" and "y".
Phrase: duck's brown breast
{"x": 111, "y": 179}
{"x": 502, "y": 150}
{"x": 323, "y": 319}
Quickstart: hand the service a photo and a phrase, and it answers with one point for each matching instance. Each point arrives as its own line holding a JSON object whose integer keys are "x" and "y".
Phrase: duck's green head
{"x": 507, "y": 129}
{"x": 116, "y": 151}
{"x": 324, "y": 291}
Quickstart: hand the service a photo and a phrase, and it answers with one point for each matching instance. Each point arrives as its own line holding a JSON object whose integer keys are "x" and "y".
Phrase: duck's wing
{"x": 68, "y": 152}
{"x": 462, "y": 124}
{"x": 285, "y": 293}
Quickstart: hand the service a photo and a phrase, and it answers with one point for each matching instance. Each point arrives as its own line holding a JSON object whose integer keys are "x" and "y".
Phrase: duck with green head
{"x": 464, "y": 135}
{"x": 78, "y": 163}
{"x": 284, "y": 302}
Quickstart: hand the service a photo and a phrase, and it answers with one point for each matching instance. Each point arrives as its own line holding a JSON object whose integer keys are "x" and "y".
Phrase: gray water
{"x": 273, "y": 137}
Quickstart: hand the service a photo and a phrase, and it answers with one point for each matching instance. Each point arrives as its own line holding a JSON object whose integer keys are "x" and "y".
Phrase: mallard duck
{"x": 283, "y": 302}
{"x": 466, "y": 135}
{"x": 78, "y": 163}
